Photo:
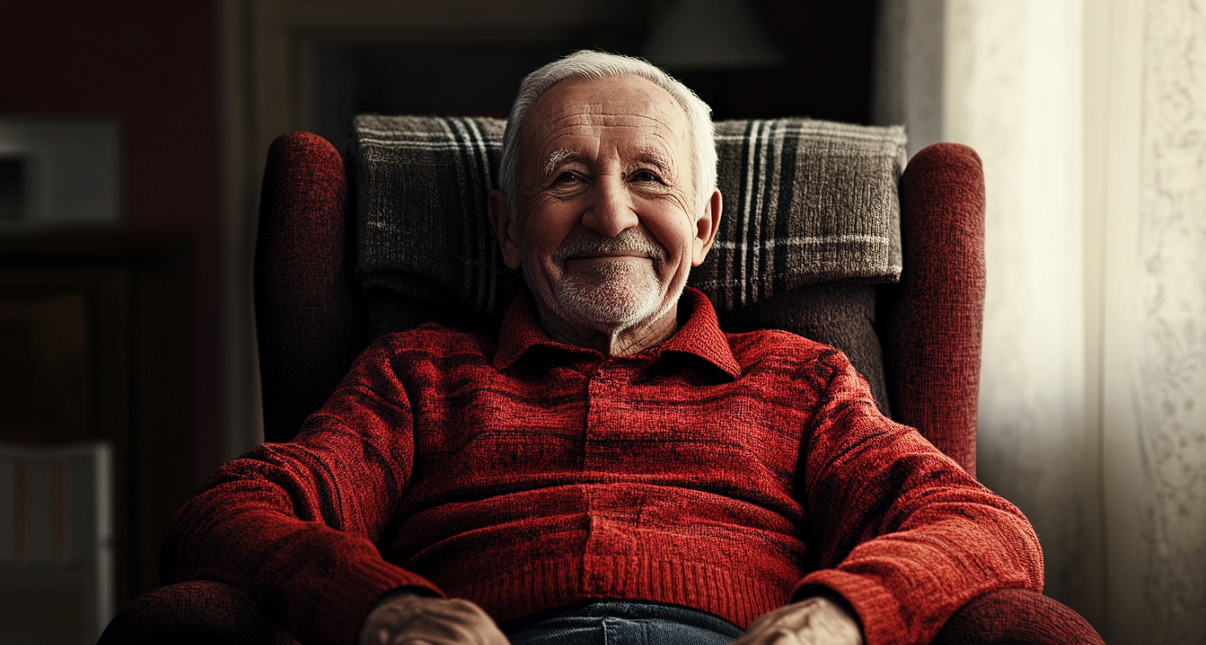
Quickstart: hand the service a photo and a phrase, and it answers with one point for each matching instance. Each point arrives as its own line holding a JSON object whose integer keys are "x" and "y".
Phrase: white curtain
{"x": 1168, "y": 381}
{"x": 1091, "y": 121}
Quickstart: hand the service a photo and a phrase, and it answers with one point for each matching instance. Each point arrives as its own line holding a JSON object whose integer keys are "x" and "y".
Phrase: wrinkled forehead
{"x": 625, "y": 111}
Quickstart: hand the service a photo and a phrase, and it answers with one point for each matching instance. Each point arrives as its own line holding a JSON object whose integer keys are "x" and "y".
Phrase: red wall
{"x": 151, "y": 65}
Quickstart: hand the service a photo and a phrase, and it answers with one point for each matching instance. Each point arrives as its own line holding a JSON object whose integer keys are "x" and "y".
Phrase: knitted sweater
{"x": 723, "y": 472}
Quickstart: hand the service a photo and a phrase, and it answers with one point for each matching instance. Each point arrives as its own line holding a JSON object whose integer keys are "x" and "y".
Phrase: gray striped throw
{"x": 804, "y": 202}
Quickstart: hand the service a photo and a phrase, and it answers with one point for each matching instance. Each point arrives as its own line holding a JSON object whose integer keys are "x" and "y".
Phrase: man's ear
{"x": 506, "y": 228}
{"x": 706, "y": 227}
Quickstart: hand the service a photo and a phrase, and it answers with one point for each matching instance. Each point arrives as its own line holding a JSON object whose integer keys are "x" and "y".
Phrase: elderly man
{"x": 609, "y": 466}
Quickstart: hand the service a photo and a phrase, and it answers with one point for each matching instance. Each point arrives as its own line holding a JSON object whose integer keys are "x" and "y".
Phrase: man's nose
{"x": 610, "y": 210}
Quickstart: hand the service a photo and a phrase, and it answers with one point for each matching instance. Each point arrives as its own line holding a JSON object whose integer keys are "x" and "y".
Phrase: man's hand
{"x": 411, "y": 619}
{"x": 815, "y": 621}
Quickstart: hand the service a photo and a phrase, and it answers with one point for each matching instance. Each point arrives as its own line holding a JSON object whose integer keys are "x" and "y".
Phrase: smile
{"x": 617, "y": 259}
{"x": 611, "y": 256}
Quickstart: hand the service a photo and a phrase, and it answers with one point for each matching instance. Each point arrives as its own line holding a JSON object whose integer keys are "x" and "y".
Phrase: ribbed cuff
{"x": 877, "y": 609}
{"x": 347, "y": 598}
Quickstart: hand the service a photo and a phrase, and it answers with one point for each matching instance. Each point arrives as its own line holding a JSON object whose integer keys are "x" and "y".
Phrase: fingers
{"x": 815, "y": 621}
{"x": 419, "y": 620}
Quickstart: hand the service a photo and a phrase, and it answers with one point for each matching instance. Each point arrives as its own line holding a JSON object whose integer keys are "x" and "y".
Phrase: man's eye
{"x": 646, "y": 176}
{"x": 566, "y": 178}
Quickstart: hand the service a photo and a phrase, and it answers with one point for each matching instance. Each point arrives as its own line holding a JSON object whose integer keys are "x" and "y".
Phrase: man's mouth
{"x": 611, "y": 256}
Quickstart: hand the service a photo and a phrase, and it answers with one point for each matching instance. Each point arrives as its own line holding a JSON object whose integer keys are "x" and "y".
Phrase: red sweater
{"x": 723, "y": 472}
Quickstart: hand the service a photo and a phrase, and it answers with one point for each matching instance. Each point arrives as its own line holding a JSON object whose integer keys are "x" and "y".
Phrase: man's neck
{"x": 619, "y": 342}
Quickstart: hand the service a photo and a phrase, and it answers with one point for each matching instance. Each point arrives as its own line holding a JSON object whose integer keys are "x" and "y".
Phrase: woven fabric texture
{"x": 805, "y": 202}
{"x": 306, "y": 304}
{"x": 712, "y": 471}
{"x": 1016, "y": 617}
{"x": 838, "y": 314}
{"x": 200, "y": 612}
{"x": 931, "y": 321}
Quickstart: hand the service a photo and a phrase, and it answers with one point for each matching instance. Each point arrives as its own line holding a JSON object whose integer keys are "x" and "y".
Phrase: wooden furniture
{"x": 95, "y": 329}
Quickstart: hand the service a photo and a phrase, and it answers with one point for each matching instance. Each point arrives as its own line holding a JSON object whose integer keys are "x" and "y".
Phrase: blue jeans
{"x": 613, "y": 622}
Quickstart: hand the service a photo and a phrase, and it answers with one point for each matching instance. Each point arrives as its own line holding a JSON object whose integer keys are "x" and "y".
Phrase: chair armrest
{"x": 933, "y": 385}
{"x": 1016, "y": 617}
{"x": 195, "y": 612}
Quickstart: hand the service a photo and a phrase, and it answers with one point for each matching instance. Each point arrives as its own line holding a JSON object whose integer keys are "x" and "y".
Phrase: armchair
{"x": 313, "y": 317}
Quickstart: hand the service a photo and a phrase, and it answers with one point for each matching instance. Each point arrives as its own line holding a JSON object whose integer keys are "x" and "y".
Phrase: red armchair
{"x": 311, "y": 322}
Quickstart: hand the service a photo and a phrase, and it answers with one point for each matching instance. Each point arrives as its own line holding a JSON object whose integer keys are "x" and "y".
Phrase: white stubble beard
{"x": 615, "y": 296}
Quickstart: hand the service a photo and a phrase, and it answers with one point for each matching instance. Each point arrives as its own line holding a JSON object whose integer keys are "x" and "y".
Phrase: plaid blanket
{"x": 804, "y": 202}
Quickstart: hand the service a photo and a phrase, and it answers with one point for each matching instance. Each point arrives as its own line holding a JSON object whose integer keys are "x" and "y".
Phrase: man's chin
{"x": 605, "y": 309}
{"x": 609, "y": 298}
{"x": 611, "y": 308}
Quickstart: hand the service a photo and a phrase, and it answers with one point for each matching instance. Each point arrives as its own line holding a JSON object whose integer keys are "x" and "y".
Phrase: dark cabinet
{"x": 95, "y": 344}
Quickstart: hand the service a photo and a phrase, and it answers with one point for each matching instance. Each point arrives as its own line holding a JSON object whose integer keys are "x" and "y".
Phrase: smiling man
{"x": 608, "y": 466}
{"x": 607, "y": 219}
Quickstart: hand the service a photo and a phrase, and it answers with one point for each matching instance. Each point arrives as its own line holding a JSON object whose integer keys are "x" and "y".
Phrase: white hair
{"x": 587, "y": 64}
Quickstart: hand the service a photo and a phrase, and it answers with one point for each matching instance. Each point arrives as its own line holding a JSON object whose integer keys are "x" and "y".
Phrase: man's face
{"x": 606, "y": 231}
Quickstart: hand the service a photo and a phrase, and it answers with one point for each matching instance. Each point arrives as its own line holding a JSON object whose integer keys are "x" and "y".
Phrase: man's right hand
{"x": 824, "y": 619}
{"x": 411, "y": 619}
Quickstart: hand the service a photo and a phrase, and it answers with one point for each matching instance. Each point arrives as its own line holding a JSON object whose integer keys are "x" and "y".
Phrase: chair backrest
{"x": 313, "y": 316}
{"x": 811, "y": 223}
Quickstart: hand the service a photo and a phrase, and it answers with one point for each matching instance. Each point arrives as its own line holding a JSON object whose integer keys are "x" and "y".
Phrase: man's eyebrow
{"x": 655, "y": 157}
{"x": 556, "y": 158}
{"x": 652, "y": 155}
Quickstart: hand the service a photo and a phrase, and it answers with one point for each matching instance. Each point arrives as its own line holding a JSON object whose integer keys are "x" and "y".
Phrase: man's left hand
{"x": 815, "y": 621}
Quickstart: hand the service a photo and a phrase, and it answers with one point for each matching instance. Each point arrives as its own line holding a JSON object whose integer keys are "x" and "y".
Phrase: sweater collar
{"x": 699, "y": 335}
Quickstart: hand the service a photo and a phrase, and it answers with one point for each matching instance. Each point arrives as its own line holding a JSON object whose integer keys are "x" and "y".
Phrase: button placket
{"x": 606, "y": 406}
{"x": 596, "y": 415}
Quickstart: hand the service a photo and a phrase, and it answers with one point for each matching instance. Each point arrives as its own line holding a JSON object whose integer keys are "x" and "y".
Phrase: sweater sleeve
{"x": 295, "y": 524}
{"x": 900, "y": 530}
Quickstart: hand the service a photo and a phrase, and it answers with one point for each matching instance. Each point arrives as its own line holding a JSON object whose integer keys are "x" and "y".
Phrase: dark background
{"x": 152, "y": 65}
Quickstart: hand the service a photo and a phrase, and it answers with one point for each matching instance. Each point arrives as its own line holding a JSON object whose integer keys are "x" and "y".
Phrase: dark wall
{"x": 151, "y": 65}
{"x": 827, "y": 74}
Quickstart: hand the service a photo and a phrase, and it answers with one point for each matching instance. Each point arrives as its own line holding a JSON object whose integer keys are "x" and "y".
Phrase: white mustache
{"x": 629, "y": 241}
